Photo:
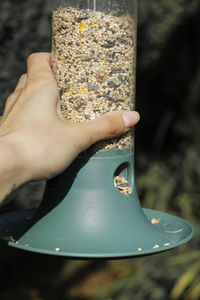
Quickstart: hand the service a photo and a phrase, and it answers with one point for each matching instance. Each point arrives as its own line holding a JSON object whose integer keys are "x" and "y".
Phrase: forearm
{"x": 12, "y": 172}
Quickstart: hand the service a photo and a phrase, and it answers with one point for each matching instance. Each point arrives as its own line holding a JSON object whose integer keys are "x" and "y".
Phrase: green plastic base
{"x": 175, "y": 232}
{"x": 83, "y": 215}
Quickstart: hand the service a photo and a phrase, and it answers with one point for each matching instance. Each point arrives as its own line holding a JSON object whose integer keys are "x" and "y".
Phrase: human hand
{"x": 43, "y": 143}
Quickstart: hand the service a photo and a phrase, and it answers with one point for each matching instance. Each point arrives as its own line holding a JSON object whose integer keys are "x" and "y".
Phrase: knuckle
{"x": 23, "y": 76}
{"x": 40, "y": 79}
{"x": 41, "y": 82}
{"x": 10, "y": 98}
{"x": 34, "y": 56}
{"x": 31, "y": 57}
{"x": 114, "y": 126}
{"x": 9, "y": 101}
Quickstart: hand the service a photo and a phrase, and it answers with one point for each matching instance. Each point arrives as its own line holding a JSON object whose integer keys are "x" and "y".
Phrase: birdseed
{"x": 122, "y": 185}
{"x": 94, "y": 60}
{"x": 155, "y": 221}
{"x": 166, "y": 244}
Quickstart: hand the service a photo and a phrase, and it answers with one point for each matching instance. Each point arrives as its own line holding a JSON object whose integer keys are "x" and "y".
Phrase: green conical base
{"x": 83, "y": 215}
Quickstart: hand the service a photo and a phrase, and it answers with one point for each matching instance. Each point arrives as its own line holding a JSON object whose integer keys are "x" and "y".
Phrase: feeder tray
{"x": 84, "y": 215}
{"x": 92, "y": 209}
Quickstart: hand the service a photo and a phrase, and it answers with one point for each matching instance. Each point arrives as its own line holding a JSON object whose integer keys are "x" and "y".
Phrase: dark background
{"x": 167, "y": 157}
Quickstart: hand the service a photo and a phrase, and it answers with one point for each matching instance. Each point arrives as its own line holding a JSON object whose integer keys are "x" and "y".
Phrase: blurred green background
{"x": 167, "y": 158}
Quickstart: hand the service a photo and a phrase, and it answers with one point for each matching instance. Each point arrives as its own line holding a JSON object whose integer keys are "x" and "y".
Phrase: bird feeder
{"x": 92, "y": 210}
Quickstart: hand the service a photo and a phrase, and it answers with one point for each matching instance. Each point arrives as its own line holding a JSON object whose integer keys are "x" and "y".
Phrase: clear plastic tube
{"x": 94, "y": 60}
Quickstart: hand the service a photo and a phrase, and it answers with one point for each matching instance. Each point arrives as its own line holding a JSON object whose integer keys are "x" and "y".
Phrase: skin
{"x": 35, "y": 143}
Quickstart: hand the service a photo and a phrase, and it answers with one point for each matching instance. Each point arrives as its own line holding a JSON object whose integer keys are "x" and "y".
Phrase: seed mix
{"x": 93, "y": 60}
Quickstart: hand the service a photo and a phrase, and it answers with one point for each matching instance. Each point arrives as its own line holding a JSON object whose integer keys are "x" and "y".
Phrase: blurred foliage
{"x": 159, "y": 20}
{"x": 167, "y": 174}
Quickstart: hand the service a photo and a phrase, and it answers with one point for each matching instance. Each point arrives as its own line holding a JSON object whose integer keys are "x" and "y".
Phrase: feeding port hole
{"x": 121, "y": 179}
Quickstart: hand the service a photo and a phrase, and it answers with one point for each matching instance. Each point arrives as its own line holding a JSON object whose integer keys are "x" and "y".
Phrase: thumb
{"x": 107, "y": 126}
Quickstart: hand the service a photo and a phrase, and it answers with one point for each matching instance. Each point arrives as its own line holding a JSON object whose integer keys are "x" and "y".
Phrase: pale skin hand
{"x": 34, "y": 142}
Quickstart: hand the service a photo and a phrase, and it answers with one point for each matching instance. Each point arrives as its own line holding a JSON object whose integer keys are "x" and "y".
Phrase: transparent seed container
{"x": 94, "y": 61}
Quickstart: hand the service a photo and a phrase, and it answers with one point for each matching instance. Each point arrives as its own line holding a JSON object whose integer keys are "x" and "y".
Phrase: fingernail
{"x": 130, "y": 118}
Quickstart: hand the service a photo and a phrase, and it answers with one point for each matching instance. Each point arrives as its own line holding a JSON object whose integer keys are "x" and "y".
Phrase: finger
{"x": 38, "y": 65}
{"x": 41, "y": 80}
{"x": 107, "y": 126}
{"x": 11, "y": 101}
{"x": 21, "y": 82}
{"x": 13, "y": 97}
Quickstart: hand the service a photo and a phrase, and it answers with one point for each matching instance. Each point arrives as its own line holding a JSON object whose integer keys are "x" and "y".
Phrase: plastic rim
{"x": 167, "y": 222}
